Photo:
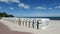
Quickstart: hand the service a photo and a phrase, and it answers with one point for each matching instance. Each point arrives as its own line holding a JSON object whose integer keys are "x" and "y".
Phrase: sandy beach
{"x": 5, "y": 30}
{"x": 54, "y": 28}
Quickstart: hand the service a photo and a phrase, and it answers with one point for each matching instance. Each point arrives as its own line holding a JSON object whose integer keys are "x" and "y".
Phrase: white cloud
{"x": 7, "y": 1}
{"x": 50, "y": 8}
{"x": 21, "y": 5}
{"x": 4, "y": 1}
{"x": 11, "y": 8}
{"x": 57, "y": 6}
{"x": 27, "y": 7}
{"x": 16, "y": 1}
{"x": 40, "y": 8}
{"x": 24, "y": 6}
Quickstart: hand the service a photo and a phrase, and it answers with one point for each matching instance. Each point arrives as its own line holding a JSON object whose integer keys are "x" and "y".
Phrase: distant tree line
{"x": 3, "y": 14}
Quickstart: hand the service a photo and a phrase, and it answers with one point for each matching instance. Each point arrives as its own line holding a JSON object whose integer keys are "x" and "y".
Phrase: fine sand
{"x": 5, "y": 30}
{"x": 54, "y": 28}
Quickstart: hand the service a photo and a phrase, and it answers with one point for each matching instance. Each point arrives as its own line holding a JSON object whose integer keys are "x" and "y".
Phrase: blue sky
{"x": 30, "y": 8}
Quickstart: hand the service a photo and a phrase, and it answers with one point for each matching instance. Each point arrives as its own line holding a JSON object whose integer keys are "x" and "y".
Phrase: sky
{"x": 31, "y": 8}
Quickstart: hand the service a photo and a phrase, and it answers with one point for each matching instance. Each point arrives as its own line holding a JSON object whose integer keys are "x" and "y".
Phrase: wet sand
{"x": 5, "y": 30}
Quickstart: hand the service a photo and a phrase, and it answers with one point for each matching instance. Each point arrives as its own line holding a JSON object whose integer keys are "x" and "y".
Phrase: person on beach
{"x": 19, "y": 22}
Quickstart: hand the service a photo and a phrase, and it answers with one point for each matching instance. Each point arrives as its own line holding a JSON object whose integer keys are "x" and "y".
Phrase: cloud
{"x": 40, "y": 8}
{"x": 24, "y": 6}
{"x": 11, "y": 8}
{"x": 50, "y": 8}
{"x": 7, "y": 1}
{"x": 16, "y": 1}
{"x": 4, "y": 1}
{"x": 57, "y": 6}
